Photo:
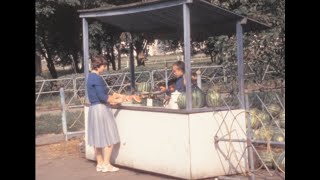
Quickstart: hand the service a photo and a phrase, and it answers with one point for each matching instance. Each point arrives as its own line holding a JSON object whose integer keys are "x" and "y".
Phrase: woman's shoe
{"x": 109, "y": 168}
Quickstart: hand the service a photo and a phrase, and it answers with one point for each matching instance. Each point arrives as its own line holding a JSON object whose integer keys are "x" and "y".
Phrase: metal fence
{"x": 265, "y": 142}
{"x": 264, "y": 108}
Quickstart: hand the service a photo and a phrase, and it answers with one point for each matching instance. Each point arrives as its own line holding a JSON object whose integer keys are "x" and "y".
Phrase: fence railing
{"x": 265, "y": 110}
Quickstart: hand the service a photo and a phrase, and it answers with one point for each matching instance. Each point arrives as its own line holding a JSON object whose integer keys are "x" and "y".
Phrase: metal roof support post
{"x": 187, "y": 55}
{"x": 240, "y": 63}
{"x": 132, "y": 68}
{"x": 241, "y": 94}
{"x": 85, "y": 38}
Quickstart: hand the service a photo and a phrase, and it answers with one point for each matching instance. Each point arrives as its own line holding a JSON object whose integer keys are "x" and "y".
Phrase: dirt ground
{"x": 66, "y": 161}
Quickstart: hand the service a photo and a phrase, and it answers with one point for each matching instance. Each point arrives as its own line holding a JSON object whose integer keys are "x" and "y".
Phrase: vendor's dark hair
{"x": 180, "y": 65}
{"x": 97, "y": 61}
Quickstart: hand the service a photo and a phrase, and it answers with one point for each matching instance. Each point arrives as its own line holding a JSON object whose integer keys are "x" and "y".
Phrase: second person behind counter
{"x": 178, "y": 71}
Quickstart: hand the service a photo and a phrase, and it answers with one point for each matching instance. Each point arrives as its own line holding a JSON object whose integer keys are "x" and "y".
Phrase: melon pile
{"x": 262, "y": 125}
{"x": 269, "y": 125}
{"x": 201, "y": 99}
{"x": 271, "y": 158}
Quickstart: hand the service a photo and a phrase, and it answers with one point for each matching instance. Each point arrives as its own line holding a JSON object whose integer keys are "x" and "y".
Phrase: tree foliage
{"x": 261, "y": 49}
{"x": 59, "y": 32}
{"x": 59, "y": 35}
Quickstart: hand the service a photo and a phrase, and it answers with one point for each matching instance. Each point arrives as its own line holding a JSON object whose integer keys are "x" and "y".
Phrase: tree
{"x": 260, "y": 48}
{"x": 59, "y": 31}
{"x": 44, "y": 13}
{"x": 140, "y": 42}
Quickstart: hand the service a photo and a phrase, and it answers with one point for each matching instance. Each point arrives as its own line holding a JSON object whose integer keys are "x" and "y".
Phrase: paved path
{"x": 64, "y": 161}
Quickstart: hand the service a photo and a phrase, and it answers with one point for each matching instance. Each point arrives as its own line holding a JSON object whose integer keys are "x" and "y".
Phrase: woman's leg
{"x": 107, "y": 154}
{"x": 99, "y": 156}
{"x": 106, "y": 158}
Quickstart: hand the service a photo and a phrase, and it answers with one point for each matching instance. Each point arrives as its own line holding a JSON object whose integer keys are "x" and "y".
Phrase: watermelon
{"x": 281, "y": 162}
{"x": 254, "y": 121}
{"x": 136, "y": 99}
{"x": 129, "y": 98}
{"x": 267, "y": 158}
{"x": 181, "y": 101}
{"x": 265, "y": 118}
{"x": 198, "y": 98}
{"x": 282, "y": 119}
{"x": 213, "y": 98}
{"x": 274, "y": 109}
{"x": 278, "y": 136}
{"x": 257, "y": 118}
{"x": 262, "y": 134}
{"x": 143, "y": 87}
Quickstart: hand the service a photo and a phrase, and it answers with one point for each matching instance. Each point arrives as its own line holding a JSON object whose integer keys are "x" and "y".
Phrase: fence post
{"x": 152, "y": 80}
{"x": 249, "y": 135}
{"x": 166, "y": 74}
{"x": 64, "y": 119}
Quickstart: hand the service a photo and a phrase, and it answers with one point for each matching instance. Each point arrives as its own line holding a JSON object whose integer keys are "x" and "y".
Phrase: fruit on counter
{"x": 213, "y": 98}
{"x": 136, "y": 99}
{"x": 143, "y": 87}
{"x": 198, "y": 98}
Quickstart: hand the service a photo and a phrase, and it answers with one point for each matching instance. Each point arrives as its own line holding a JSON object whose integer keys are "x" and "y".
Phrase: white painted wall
{"x": 179, "y": 145}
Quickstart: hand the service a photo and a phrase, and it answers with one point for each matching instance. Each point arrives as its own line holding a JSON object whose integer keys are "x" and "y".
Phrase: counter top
{"x": 137, "y": 107}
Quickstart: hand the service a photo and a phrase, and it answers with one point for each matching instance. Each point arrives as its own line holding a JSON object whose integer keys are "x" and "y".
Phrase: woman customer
{"x": 102, "y": 130}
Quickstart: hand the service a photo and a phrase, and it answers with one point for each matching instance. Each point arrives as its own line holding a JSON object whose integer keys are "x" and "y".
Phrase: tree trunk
{"x": 211, "y": 56}
{"x": 51, "y": 67}
{"x": 108, "y": 67}
{"x": 108, "y": 57}
{"x": 49, "y": 60}
{"x": 113, "y": 59}
{"x": 139, "y": 49}
{"x": 99, "y": 48}
{"x": 82, "y": 65}
{"x": 76, "y": 61}
{"x": 119, "y": 56}
{"x": 38, "y": 64}
{"x": 112, "y": 55}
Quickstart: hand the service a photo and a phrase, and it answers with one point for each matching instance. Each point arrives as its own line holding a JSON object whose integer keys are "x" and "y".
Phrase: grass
{"x": 52, "y": 123}
{"x": 49, "y": 102}
{"x": 53, "y": 101}
{"x": 154, "y": 62}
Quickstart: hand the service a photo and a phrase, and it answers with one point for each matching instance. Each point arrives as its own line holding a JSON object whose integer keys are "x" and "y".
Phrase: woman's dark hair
{"x": 97, "y": 61}
{"x": 180, "y": 65}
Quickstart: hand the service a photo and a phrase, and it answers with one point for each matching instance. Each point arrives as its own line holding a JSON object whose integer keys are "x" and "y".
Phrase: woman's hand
{"x": 115, "y": 99}
{"x": 112, "y": 103}
{"x": 123, "y": 97}
{"x": 117, "y": 95}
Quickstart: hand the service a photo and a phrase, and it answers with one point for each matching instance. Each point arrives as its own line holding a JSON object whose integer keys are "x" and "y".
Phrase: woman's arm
{"x": 101, "y": 94}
